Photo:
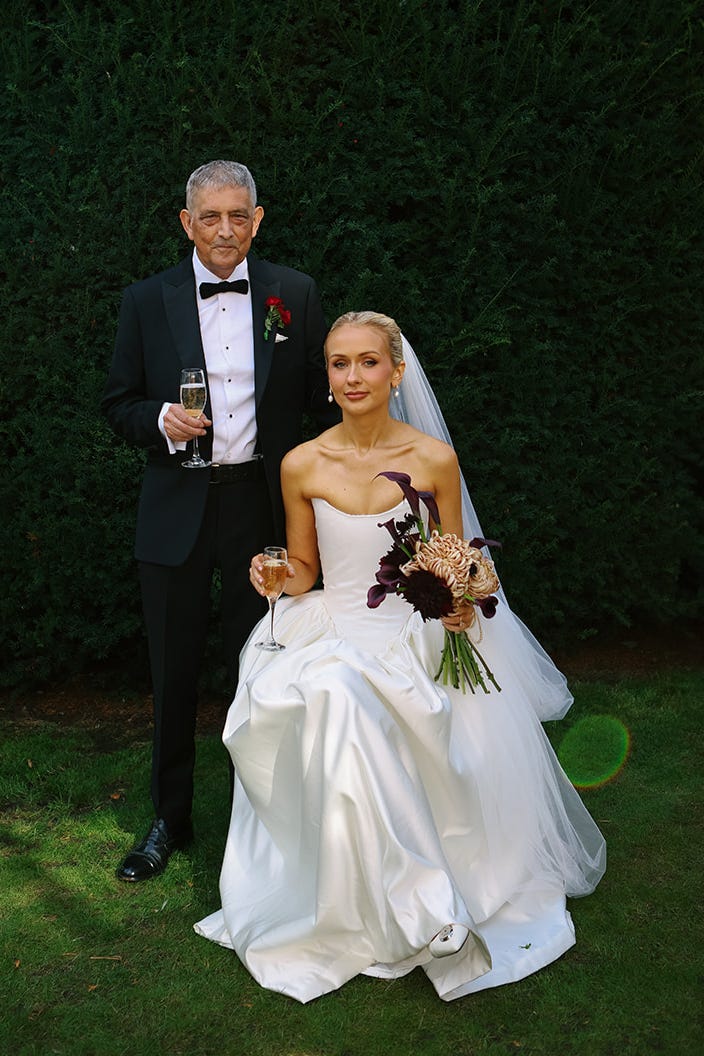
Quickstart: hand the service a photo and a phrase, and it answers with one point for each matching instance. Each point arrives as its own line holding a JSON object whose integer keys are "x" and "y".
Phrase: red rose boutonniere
{"x": 277, "y": 314}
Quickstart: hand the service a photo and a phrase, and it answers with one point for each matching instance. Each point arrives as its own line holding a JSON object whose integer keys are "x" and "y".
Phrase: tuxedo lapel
{"x": 179, "y": 295}
{"x": 263, "y": 349}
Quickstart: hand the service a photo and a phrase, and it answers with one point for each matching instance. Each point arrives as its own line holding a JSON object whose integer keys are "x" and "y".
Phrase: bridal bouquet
{"x": 439, "y": 575}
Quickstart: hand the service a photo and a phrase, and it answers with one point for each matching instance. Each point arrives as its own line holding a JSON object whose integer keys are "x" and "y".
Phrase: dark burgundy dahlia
{"x": 428, "y": 595}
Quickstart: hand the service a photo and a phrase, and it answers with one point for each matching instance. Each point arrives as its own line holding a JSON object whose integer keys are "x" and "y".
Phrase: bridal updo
{"x": 384, "y": 323}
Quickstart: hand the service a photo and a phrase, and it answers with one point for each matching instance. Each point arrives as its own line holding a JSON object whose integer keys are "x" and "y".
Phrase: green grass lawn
{"x": 92, "y": 966}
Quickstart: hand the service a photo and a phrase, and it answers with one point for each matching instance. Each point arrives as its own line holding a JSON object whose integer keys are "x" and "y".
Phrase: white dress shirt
{"x": 228, "y": 344}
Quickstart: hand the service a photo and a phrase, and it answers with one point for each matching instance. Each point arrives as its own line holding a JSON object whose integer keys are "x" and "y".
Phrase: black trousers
{"x": 176, "y": 601}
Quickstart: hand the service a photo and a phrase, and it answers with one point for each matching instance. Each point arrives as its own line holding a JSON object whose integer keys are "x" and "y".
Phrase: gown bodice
{"x": 350, "y": 546}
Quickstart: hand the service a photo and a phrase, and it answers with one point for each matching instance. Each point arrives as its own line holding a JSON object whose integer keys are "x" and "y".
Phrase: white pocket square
{"x": 280, "y": 337}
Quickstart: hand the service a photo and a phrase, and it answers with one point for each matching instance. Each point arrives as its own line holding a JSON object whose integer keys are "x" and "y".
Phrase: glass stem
{"x": 272, "y": 606}
{"x": 196, "y": 452}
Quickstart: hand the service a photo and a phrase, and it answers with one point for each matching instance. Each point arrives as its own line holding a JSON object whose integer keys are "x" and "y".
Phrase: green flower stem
{"x": 459, "y": 667}
{"x": 489, "y": 674}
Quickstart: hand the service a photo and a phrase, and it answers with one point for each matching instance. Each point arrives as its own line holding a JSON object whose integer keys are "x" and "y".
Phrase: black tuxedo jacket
{"x": 158, "y": 335}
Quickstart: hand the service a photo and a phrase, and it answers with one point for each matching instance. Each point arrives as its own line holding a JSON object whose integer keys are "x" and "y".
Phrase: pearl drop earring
{"x": 330, "y": 396}
{"x": 396, "y": 388}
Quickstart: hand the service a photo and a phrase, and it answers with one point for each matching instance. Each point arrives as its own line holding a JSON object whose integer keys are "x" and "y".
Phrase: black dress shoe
{"x": 151, "y": 856}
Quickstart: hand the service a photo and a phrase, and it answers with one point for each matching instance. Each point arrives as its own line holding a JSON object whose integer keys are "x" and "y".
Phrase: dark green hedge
{"x": 519, "y": 184}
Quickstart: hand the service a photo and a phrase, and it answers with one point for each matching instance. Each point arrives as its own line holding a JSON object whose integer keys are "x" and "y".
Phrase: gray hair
{"x": 388, "y": 327}
{"x": 219, "y": 174}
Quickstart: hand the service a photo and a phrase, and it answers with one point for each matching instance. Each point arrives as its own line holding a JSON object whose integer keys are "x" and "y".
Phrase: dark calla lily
{"x": 388, "y": 574}
{"x": 398, "y": 530}
{"x": 409, "y": 492}
{"x": 391, "y": 528}
{"x": 479, "y": 542}
{"x": 488, "y": 605}
{"x": 375, "y": 596}
{"x": 432, "y": 506}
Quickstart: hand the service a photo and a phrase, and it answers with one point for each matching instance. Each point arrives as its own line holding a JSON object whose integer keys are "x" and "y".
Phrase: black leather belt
{"x": 237, "y": 472}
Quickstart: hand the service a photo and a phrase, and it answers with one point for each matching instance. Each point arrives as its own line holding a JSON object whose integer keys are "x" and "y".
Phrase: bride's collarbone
{"x": 359, "y": 466}
{"x": 350, "y": 447}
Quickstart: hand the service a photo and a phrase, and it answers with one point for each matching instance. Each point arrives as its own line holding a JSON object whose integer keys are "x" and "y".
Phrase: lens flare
{"x": 594, "y": 750}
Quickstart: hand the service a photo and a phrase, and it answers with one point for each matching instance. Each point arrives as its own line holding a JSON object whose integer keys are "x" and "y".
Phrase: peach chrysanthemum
{"x": 462, "y": 567}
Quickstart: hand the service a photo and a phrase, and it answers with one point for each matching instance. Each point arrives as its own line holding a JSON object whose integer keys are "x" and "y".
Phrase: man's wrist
{"x": 173, "y": 446}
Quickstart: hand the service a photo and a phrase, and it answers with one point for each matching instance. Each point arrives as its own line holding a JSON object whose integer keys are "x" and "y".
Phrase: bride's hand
{"x": 255, "y": 578}
{"x": 255, "y": 573}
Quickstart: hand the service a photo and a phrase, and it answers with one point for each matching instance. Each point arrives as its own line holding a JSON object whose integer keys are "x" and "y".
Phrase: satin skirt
{"x": 373, "y": 806}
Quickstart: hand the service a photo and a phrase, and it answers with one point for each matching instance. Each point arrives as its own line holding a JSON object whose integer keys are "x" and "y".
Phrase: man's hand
{"x": 179, "y": 426}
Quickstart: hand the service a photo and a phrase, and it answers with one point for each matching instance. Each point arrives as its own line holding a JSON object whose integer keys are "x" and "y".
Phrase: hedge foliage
{"x": 519, "y": 184}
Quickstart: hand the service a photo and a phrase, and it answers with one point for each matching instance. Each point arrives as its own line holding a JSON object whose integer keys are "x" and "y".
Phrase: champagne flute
{"x": 274, "y": 568}
{"x": 193, "y": 397}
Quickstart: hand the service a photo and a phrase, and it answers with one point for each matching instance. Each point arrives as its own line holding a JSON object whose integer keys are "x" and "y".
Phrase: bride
{"x": 382, "y": 821}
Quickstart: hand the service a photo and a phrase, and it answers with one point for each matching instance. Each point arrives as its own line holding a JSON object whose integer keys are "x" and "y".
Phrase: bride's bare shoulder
{"x": 429, "y": 448}
{"x": 300, "y": 459}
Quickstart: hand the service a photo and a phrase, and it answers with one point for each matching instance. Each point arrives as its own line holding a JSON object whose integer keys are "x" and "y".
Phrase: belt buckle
{"x": 215, "y": 466}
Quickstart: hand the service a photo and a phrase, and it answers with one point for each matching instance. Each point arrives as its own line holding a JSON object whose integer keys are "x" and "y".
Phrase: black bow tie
{"x": 209, "y": 289}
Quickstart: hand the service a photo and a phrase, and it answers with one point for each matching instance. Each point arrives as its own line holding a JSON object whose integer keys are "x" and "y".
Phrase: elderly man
{"x": 257, "y": 330}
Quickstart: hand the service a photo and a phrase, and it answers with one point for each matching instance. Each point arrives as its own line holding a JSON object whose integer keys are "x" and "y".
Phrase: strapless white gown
{"x": 373, "y": 806}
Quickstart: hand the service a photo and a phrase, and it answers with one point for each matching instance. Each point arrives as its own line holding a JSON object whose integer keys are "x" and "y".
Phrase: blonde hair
{"x": 388, "y": 327}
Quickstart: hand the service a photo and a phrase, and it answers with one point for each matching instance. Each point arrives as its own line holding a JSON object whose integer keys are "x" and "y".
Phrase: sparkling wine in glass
{"x": 193, "y": 397}
{"x": 274, "y": 567}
